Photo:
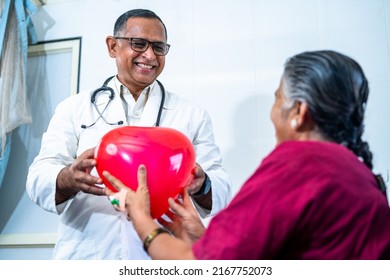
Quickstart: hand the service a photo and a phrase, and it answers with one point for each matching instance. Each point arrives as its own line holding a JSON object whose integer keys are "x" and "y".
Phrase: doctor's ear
{"x": 111, "y": 46}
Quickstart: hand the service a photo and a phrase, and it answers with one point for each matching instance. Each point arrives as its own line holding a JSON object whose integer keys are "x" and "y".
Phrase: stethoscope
{"x": 105, "y": 88}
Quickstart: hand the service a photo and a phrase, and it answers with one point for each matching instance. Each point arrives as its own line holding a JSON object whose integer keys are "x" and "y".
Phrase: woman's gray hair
{"x": 336, "y": 90}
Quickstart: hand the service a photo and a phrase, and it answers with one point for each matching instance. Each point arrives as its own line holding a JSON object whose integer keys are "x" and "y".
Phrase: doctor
{"x": 62, "y": 179}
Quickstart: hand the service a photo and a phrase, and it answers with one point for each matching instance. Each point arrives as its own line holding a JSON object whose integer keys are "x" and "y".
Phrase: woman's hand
{"x": 135, "y": 203}
{"x": 185, "y": 222}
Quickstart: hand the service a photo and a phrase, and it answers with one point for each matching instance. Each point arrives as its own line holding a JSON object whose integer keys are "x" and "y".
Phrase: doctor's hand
{"x": 196, "y": 182}
{"x": 77, "y": 177}
{"x": 195, "y": 185}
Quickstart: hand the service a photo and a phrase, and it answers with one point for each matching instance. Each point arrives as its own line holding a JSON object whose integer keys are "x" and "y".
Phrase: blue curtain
{"x": 4, "y": 155}
{"x": 21, "y": 11}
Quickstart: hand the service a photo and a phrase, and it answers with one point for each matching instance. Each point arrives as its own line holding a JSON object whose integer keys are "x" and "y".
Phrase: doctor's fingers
{"x": 83, "y": 164}
{"x": 196, "y": 182}
{"x": 85, "y": 161}
{"x": 81, "y": 177}
{"x": 91, "y": 189}
{"x": 90, "y": 153}
{"x": 79, "y": 173}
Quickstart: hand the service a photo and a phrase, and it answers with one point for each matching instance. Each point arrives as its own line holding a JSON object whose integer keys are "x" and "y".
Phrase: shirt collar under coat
{"x": 149, "y": 116}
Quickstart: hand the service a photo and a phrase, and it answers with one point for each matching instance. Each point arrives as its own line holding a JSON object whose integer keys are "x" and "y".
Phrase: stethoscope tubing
{"x": 105, "y": 88}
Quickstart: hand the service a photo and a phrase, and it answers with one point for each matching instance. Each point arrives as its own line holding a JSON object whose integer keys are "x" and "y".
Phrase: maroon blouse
{"x": 307, "y": 200}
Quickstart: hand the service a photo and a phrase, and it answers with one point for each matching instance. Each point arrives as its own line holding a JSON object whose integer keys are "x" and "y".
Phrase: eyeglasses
{"x": 141, "y": 45}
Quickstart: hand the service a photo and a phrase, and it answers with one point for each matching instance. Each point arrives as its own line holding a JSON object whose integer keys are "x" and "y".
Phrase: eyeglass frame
{"x": 130, "y": 39}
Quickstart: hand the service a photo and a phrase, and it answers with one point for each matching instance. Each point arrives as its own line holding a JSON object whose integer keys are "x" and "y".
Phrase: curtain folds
{"x": 16, "y": 32}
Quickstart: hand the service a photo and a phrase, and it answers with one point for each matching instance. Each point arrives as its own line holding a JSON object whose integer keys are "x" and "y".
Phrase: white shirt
{"x": 133, "y": 109}
{"x": 90, "y": 228}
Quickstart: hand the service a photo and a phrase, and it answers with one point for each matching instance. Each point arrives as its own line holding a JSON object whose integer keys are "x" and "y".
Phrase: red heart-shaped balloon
{"x": 168, "y": 155}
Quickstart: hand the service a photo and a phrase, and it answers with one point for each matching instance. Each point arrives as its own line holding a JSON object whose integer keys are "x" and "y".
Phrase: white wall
{"x": 228, "y": 55}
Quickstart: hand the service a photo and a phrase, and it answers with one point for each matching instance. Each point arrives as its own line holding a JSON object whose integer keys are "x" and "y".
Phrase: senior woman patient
{"x": 313, "y": 197}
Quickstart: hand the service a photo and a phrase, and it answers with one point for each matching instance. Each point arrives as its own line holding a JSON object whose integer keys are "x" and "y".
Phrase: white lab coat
{"x": 90, "y": 228}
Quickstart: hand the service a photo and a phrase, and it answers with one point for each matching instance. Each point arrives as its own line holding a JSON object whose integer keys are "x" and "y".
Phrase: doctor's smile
{"x": 144, "y": 66}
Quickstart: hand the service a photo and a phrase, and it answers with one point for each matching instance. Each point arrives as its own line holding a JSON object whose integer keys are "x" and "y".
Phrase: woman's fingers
{"x": 177, "y": 208}
{"x": 141, "y": 176}
{"x": 116, "y": 183}
{"x": 118, "y": 199}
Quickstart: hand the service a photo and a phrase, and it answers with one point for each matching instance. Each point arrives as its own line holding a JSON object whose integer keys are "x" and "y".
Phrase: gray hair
{"x": 336, "y": 90}
{"x": 120, "y": 23}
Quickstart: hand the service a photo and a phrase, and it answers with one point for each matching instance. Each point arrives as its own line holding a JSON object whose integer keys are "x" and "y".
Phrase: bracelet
{"x": 153, "y": 235}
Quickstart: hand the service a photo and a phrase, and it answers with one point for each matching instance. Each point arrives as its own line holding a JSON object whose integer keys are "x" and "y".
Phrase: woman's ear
{"x": 300, "y": 115}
